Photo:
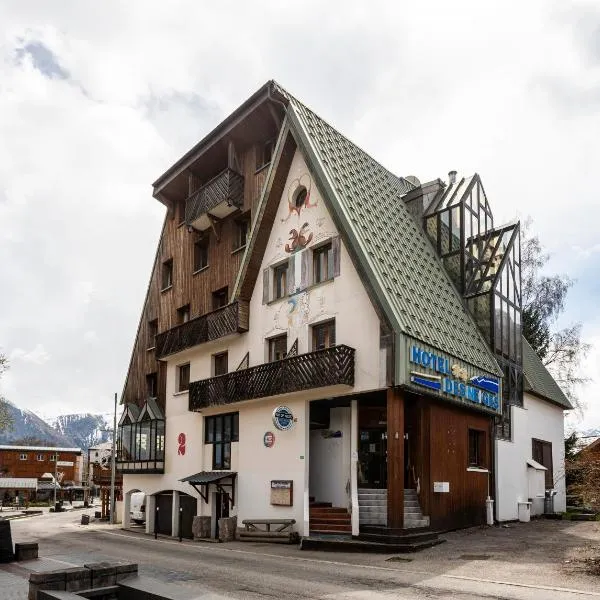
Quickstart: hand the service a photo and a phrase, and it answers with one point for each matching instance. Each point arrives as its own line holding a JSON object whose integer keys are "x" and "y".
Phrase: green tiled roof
{"x": 539, "y": 381}
{"x": 396, "y": 257}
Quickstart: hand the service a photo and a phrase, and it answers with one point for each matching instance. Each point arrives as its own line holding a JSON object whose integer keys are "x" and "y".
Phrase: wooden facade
{"x": 191, "y": 287}
{"x": 38, "y": 461}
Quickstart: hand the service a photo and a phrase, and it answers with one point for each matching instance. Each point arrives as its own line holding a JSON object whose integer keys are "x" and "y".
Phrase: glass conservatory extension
{"x": 141, "y": 439}
{"x": 485, "y": 265}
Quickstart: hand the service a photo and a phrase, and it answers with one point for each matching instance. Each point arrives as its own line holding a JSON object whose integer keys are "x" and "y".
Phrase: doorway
{"x": 188, "y": 506}
{"x": 164, "y": 516}
{"x": 372, "y": 458}
{"x": 221, "y": 509}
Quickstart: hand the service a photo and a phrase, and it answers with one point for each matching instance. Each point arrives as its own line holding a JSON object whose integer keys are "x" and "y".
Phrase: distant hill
{"x": 68, "y": 431}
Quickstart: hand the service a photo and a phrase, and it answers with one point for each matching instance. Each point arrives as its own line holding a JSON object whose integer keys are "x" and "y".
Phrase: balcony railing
{"x": 331, "y": 366}
{"x": 232, "y": 318}
{"x": 223, "y": 194}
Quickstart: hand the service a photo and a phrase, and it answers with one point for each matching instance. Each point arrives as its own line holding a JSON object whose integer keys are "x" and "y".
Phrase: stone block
{"x": 77, "y": 579}
{"x": 104, "y": 574}
{"x": 47, "y": 580}
{"x": 26, "y": 551}
{"x": 125, "y": 570}
{"x": 227, "y": 529}
{"x": 6, "y": 546}
{"x": 201, "y": 527}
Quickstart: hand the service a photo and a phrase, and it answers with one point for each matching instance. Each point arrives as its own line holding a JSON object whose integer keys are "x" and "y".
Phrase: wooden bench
{"x": 281, "y": 533}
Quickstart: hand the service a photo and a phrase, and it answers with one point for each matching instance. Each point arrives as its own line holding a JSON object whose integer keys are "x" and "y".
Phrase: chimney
{"x": 452, "y": 177}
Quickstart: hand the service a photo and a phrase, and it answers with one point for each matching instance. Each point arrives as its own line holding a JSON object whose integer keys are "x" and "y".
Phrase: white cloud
{"x": 425, "y": 88}
{"x": 37, "y": 356}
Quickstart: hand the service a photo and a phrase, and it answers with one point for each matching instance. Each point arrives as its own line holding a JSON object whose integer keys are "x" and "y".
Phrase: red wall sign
{"x": 181, "y": 441}
{"x": 269, "y": 439}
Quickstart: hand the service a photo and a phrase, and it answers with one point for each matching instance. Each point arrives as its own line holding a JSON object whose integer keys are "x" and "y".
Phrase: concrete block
{"x": 125, "y": 570}
{"x": 103, "y": 574}
{"x": 77, "y": 579}
{"x": 6, "y": 547}
{"x": 227, "y": 529}
{"x": 26, "y": 551}
{"x": 48, "y": 580}
{"x": 201, "y": 527}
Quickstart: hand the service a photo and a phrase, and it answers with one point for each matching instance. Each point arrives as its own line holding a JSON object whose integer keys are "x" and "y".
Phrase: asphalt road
{"x": 248, "y": 570}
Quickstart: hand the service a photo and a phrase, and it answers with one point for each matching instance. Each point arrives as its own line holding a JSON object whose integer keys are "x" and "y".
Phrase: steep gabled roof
{"x": 538, "y": 380}
{"x": 390, "y": 250}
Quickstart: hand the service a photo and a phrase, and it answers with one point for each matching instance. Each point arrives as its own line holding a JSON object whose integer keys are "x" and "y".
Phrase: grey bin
{"x": 549, "y": 502}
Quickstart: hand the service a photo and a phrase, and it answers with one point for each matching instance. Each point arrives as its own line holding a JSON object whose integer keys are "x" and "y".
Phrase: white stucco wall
{"x": 515, "y": 481}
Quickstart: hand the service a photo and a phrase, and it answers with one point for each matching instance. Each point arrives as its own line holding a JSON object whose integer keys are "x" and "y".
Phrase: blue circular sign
{"x": 283, "y": 418}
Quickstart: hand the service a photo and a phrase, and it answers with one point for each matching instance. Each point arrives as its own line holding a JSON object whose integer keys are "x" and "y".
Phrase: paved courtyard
{"x": 522, "y": 561}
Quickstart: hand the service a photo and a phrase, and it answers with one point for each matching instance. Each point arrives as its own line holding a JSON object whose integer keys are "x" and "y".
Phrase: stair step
{"x": 330, "y": 522}
{"x": 324, "y": 510}
{"x": 314, "y": 504}
{"x": 331, "y": 529}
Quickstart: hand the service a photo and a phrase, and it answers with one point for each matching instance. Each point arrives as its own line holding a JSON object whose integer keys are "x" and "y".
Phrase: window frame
{"x": 281, "y": 268}
{"x": 215, "y": 358}
{"x": 322, "y": 325}
{"x": 242, "y": 230}
{"x": 221, "y": 443}
{"x": 476, "y": 441}
{"x": 202, "y": 244}
{"x": 549, "y": 474}
{"x": 167, "y": 268}
{"x": 152, "y": 327}
{"x": 323, "y": 250}
{"x": 220, "y": 293}
{"x": 40, "y": 458}
{"x": 180, "y": 369}
{"x": 152, "y": 377}
{"x": 183, "y": 312}
{"x": 272, "y": 347}
{"x": 23, "y": 456}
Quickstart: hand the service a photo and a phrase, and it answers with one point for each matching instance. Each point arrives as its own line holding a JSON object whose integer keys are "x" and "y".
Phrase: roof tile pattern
{"x": 401, "y": 258}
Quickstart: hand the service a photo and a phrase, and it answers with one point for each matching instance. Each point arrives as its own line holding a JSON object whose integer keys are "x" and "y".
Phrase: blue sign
{"x": 283, "y": 418}
{"x": 453, "y": 380}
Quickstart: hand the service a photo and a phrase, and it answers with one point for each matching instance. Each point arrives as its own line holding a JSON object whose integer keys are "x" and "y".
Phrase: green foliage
{"x": 543, "y": 300}
{"x": 571, "y": 446}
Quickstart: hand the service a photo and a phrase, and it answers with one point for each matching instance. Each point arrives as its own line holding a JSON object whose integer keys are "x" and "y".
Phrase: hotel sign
{"x": 451, "y": 378}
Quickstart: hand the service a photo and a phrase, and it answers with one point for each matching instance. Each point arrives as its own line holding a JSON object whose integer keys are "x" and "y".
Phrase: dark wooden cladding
{"x": 189, "y": 287}
{"x": 331, "y": 366}
{"x": 205, "y": 328}
{"x": 227, "y": 186}
{"x": 395, "y": 458}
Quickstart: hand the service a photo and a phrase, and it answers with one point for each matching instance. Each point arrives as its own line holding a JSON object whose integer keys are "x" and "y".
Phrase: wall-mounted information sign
{"x": 282, "y": 492}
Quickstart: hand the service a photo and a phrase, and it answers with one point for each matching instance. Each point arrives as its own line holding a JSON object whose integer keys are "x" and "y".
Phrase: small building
{"x": 325, "y": 341}
{"x": 99, "y": 472}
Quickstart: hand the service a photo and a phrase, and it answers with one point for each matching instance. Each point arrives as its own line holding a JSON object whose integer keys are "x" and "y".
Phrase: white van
{"x": 138, "y": 507}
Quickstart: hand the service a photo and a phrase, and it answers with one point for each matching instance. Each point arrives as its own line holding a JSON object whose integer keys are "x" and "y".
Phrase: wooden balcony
{"x": 221, "y": 196}
{"x": 232, "y": 318}
{"x": 322, "y": 368}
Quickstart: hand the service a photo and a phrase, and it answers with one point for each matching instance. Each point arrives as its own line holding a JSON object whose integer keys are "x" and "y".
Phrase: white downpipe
{"x": 306, "y": 499}
{"x": 354, "y": 466}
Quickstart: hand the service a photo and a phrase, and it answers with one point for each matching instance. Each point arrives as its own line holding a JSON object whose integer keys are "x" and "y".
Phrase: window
{"x": 183, "y": 314}
{"x": 52, "y": 458}
{"x": 152, "y": 385}
{"x": 167, "y": 274}
{"x": 322, "y": 263}
{"x": 280, "y": 281}
{"x": 220, "y": 431}
{"x": 323, "y": 335}
{"x": 241, "y": 233}
{"x": 220, "y": 364}
{"x": 277, "y": 348}
{"x": 541, "y": 452}
{"x": 40, "y": 457}
{"x": 200, "y": 255}
{"x": 23, "y": 457}
{"x": 183, "y": 377}
{"x": 264, "y": 154}
{"x": 300, "y": 196}
{"x": 220, "y": 298}
{"x": 477, "y": 454}
{"x": 152, "y": 333}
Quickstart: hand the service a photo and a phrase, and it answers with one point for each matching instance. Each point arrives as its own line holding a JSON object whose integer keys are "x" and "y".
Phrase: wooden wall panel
{"x": 12, "y": 466}
{"x": 395, "y": 449}
{"x": 177, "y": 244}
{"x": 464, "y": 505}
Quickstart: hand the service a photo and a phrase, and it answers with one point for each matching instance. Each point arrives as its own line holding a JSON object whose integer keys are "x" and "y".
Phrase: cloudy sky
{"x": 98, "y": 98}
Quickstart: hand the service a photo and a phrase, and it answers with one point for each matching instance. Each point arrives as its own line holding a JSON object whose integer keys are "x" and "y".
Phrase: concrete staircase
{"x": 413, "y": 517}
{"x": 372, "y": 505}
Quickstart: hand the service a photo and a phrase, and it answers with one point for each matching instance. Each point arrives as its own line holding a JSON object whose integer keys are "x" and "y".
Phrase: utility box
{"x": 524, "y": 512}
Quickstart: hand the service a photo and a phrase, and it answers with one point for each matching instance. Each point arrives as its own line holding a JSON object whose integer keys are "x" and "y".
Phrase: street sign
{"x": 64, "y": 463}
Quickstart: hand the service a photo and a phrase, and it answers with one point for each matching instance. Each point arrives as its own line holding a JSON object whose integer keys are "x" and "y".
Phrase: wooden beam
{"x": 395, "y": 457}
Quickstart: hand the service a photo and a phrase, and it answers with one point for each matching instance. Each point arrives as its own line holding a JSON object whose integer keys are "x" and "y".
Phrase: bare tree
{"x": 5, "y": 418}
{"x": 544, "y": 297}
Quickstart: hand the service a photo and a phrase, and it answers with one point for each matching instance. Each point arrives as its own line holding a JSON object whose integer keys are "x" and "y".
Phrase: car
{"x": 137, "y": 511}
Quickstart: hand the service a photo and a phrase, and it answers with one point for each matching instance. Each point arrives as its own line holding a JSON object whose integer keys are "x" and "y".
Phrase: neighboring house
{"x": 320, "y": 332}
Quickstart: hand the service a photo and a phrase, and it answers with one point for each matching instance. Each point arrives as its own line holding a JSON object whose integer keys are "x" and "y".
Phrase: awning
{"x": 535, "y": 465}
{"x": 18, "y": 483}
{"x": 205, "y": 478}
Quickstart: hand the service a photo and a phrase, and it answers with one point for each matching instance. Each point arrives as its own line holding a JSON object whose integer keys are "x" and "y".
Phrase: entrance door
{"x": 188, "y": 507}
{"x": 222, "y": 508}
{"x": 164, "y": 503}
{"x": 372, "y": 458}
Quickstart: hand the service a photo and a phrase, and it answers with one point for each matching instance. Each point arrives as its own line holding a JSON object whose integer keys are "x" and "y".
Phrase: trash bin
{"x": 57, "y": 507}
{"x": 549, "y": 502}
{"x": 524, "y": 512}
{"x": 85, "y": 519}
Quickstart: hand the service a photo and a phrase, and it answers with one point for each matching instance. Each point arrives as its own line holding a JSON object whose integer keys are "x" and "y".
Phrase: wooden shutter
{"x": 291, "y": 275}
{"x": 265, "y": 286}
{"x": 336, "y": 250}
{"x": 305, "y": 269}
